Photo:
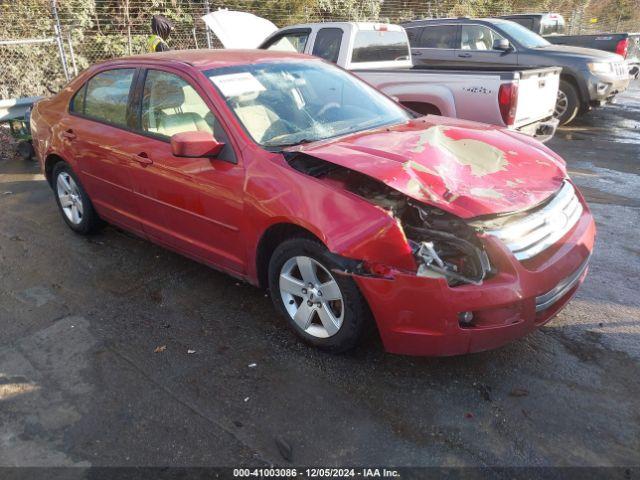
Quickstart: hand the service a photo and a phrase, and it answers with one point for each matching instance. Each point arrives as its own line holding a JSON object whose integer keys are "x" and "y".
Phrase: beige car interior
{"x": 171, "y": 106}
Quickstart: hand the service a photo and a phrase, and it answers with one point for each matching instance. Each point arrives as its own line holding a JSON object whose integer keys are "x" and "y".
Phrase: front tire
{"x": 567, "y": 103}
{"x": 324, "y": 309}
{"x": 74, "y": 203}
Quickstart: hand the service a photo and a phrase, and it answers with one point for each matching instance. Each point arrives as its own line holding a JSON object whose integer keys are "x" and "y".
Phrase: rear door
{"x": 433, "y": 45}
{"x": 475, "y": 48}
{"x": 191, "y": 204}
{"x": 97, "y": 132}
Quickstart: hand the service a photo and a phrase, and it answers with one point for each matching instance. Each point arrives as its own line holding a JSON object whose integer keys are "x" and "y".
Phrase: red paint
{"x": 217, "y": 212}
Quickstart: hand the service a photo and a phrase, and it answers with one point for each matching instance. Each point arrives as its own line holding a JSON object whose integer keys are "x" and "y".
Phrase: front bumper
{"x": 602, "y": 89}
{"x": 543, "y": 130}
{"x": 420, "y": 316}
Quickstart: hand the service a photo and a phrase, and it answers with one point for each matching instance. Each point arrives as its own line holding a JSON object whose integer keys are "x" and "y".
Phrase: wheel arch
{"x": 573, "y": 80}
{"x": 273, "y": 236}
{"x": 49, "y": 164}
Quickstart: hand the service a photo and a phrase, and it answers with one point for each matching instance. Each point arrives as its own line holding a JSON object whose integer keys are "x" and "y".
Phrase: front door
{"x": 194, "y": 205}
{"x": 476, "y": 48}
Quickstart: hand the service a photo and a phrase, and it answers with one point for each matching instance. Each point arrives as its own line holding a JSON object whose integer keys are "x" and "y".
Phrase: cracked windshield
{"x": 284, "y": 104}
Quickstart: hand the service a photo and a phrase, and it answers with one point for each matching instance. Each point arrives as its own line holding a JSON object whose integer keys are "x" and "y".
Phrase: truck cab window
{"x": 327, "y": 44}
{"x": 289, "y": 42}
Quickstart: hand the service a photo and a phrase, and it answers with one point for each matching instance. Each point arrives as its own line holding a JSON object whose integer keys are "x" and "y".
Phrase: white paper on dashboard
{"x": 236, "y": 84}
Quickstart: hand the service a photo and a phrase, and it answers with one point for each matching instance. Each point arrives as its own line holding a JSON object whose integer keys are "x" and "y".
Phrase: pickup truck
{"x": 552, "y": 27}
{"x": 520, "y": 99}
{"x": 589, "y": 77}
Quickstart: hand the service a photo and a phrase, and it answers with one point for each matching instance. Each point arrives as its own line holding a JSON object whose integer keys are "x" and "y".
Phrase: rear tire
{"x": 74, "y": 203}
{"x": 567, "y": 104}
{"x": 331, "y": 314}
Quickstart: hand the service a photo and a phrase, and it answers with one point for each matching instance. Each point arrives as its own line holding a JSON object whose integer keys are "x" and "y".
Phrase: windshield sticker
{"x": 236, "y": 84}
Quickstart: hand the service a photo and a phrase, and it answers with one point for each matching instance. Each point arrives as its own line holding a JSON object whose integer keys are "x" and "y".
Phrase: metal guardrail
{"x": 16, "y": 108}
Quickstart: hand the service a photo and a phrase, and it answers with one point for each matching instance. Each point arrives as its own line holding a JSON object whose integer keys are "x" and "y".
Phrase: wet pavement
{"x": 83, "y": 382}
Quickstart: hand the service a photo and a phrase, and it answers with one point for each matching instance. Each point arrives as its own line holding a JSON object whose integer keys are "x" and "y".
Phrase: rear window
{"x": 107, "y": 96}
{"x": 380, "y": 46}
{"x": 77, "y": 103}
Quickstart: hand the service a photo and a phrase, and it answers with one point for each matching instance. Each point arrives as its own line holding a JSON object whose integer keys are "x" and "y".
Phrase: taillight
{"x": 508, "y": 102}
{"x": 622, "y": 47}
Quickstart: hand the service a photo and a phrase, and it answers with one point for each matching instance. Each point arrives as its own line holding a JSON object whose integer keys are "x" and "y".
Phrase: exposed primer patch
{"x": 481, "y": 157}
{"x": 486, "y": 193}
{"x": 418, "y": 167}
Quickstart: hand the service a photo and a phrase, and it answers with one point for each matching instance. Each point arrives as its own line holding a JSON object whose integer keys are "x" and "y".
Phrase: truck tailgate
{"x": 537, "y": 93}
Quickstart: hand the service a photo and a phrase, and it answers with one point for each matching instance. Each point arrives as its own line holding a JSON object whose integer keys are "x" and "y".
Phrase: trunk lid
{"x": 239, "y": 29}
{"x": 465, "y": 168}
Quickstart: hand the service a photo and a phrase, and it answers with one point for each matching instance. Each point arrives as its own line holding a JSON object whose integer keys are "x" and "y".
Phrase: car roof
{"x": 458, "y": 20}
{"x": 204, "y": 59}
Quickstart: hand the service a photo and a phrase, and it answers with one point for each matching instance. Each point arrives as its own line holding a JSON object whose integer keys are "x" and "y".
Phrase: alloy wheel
{"x": 311, "y": 296}
{"x": 70, "y": 199}
{"x": 562, "y": 103}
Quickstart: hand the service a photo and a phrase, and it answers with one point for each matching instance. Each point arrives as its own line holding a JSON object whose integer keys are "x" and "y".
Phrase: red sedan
{"x": 290, "y": 173}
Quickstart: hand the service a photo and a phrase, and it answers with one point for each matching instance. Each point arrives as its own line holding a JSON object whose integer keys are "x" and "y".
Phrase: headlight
{"x": 600, "y": 67}
{"x": 446, "y": 247}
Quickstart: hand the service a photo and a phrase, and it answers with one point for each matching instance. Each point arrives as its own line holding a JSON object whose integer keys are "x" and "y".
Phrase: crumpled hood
{"x": 465, "y": 168}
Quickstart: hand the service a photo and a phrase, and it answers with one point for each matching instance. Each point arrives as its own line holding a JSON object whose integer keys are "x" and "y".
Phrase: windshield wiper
{"x": 292, "y": 144}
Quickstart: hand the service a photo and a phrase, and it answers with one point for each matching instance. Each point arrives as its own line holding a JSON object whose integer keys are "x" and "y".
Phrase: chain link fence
{"x": 44, "y": 42}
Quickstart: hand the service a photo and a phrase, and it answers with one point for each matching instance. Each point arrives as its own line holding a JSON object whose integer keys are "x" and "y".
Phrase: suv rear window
{"x": 380, "y": 46}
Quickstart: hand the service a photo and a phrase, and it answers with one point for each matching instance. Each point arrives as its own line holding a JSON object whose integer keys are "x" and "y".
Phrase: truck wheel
{"x": 567, "y": 104}
{"x": 74, "y": 203}
{"x": 324, "y": 309}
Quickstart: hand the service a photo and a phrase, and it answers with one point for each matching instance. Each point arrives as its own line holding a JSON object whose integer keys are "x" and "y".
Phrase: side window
{"x": 171, "y": 105}
{"x": 327, "y": 44}
{"x": 413, "y": 34}
{"x": 478, "y": 37}
{"x": 77, "y": 102}
{"x": 107, "y": 96}
{"x": 289, "y": 42}
{"x": 438, "y": 36}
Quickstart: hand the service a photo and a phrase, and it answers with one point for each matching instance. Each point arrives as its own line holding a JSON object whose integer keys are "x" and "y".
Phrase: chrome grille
{"x": 620, "y": 70}
{"x": 528, "y": 236}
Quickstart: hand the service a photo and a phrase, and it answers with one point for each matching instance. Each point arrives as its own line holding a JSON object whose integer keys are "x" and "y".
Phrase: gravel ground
{"x": 83, "y": 382}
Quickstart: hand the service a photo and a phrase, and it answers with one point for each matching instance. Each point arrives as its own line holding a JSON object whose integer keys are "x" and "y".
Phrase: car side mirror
{"x": 501, "y": 44}
{"x": 195, "y": 145}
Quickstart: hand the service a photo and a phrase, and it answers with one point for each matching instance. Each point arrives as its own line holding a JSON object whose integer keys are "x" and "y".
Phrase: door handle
{"x": 143, "y": 159}
{"x": 69, "y": 135}
{"x": 416, "y": 54}
{"x": 464, "y": 55}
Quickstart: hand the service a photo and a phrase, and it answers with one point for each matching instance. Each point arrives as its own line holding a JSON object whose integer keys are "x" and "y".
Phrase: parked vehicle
{"x": 589, "y": 77}
{"x": 292, "y": 174}
{"x": 552, "y": 27}
{"x": 517, "y": 98}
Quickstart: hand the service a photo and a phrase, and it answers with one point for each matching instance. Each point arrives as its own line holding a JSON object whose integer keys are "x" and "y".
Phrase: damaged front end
{"x": 443, "y": 245}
